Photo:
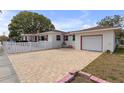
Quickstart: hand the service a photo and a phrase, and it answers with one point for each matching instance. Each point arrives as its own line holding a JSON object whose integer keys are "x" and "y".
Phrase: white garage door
{"x": 92, "y": 43}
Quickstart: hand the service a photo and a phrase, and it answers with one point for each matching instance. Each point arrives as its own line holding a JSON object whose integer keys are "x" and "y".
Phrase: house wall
{"x": 70, "y": 41}
{"x": 28, "y": 38}
{"x": 50, "y": 37}
{"x": 77, "y": 41}
{"x": 50, "y": 41}
{"x": 108, "y": 40}
{"x": 23, "y": 37}
{"x": 78, "y": 37}
{"x": 55, "y": 43}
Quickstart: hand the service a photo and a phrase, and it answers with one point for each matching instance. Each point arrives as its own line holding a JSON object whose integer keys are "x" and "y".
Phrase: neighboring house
{"x": 95, "y": 38}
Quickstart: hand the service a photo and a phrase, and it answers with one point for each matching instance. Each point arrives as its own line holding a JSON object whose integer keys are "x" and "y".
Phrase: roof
{"x": 44, "y": 32}
{"x": 54, "y": 31}
{"x": 92, "y": 29}
{"x": 97, "y": 28}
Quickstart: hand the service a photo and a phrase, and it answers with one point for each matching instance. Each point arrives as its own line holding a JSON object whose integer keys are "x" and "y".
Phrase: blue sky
{"x": 66, "y": 20}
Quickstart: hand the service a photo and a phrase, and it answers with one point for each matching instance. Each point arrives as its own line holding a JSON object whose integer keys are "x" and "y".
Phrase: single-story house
{"x": 95, "y": 38}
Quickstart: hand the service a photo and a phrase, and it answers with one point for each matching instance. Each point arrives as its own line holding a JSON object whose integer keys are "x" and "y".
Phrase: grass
{"x": 109, "y": 67}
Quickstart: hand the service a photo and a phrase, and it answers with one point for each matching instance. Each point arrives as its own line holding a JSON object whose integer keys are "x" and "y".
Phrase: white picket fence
{"x": 16, "y": 47}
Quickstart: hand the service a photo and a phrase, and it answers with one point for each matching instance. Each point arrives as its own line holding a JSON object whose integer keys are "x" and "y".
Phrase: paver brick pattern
{"x": 50, "y": 65}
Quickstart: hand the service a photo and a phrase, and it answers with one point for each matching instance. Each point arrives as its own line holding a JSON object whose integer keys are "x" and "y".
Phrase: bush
{"x": 108, "y": 51}
{"x": 122, "y": 42}
{"x": 22, "y": 41}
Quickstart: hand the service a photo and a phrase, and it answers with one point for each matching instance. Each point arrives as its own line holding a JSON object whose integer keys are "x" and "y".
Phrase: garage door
{"x": 92, "y": 43}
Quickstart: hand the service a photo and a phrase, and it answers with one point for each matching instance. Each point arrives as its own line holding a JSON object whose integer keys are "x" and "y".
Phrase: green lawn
{"x": 108, "y": 66}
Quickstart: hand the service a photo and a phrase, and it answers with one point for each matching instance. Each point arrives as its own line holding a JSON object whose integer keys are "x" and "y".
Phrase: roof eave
{"x": 97, "y": 30}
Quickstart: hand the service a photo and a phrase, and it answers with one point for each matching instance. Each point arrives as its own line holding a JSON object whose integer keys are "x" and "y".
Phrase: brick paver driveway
{"x": 50, "y": 65}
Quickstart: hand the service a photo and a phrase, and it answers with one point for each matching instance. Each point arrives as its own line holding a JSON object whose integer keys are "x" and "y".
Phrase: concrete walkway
{"x": 7, "y": 73}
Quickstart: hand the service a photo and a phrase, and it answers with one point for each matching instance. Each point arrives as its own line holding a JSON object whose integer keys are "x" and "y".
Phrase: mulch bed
{"x": 79, "y": 79}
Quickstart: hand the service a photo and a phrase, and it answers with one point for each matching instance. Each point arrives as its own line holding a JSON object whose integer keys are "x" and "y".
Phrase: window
{"x": 73, "y": 37}
{"x": 66, "y": 38}
{"x": 42, "y": 38}
{"x": 58, "y": 37}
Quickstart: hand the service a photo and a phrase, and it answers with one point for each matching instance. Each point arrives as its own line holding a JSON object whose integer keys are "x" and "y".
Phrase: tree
{"x": 3, "y": 38}
{"x": 28, "y": 22}
{"x": 111, "y": 21}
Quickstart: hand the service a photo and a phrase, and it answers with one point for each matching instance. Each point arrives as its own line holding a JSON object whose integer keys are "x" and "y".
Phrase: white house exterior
{"x": 95, "y": 39}
{"x": 55, "y": 38}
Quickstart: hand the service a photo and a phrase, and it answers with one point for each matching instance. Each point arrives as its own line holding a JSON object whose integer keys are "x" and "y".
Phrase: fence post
{"x": 30, "y": 46}
{"x": 3, "y": 46}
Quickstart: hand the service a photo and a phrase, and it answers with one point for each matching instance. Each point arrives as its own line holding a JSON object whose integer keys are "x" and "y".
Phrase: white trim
{"x": 51, "y": 32}
{"x": 29, "y": 34}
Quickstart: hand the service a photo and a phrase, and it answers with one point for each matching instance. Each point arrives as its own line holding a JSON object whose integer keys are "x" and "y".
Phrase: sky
{"x": 65, "y": 20}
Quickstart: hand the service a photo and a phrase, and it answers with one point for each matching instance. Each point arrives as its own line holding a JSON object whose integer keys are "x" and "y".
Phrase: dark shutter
{"x": 46, "y": 37}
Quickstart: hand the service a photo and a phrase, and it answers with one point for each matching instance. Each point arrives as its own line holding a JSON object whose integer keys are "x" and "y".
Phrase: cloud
{"x": 3, "y": 22}
{"x": 5, "y": 18}
{"x": 70, "y": 24}
{"x": 88, "y": 25}
{"x": 84, "y": 14}
{"x": 4, "y": 13}
{"x": 76, "y": 22}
